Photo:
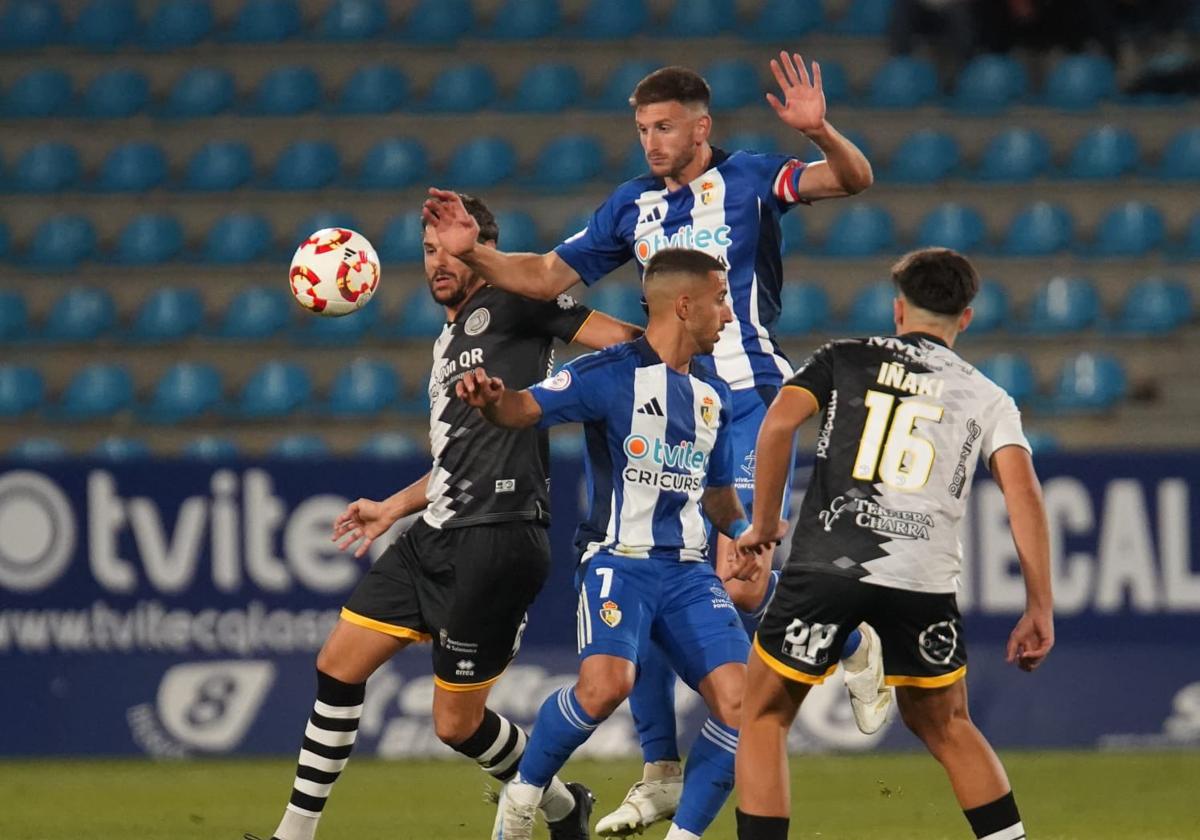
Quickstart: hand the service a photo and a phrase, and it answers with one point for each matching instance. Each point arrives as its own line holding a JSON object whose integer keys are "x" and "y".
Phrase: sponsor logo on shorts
{"x": 938, "y": 642}
{"x": 610, "y": 613}
{"x": 809, "y": 643}
{"x": 464, "y": 668}
{"x": 721, "y": 599}
{"x": 744, "y": 480}
{"x": 901, "y": 524}
{"x": 455, "y": 645}
{"x": 506, "y": 485}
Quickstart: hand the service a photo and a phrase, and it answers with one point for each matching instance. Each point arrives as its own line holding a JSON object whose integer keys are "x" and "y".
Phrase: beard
{"x": 452, "y": 295}
{"x": 675, "y": 166}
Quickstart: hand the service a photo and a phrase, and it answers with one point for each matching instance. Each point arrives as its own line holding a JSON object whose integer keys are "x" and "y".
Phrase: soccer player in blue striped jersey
{"x": 729, "y": 205}
{"x": 659, "y": 449}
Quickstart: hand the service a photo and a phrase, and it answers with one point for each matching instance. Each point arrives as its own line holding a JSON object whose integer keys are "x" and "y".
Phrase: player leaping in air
{"x": 727, "y": 204}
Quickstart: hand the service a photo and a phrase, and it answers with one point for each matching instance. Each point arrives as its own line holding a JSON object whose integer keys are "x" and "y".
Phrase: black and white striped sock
{"x": 998, "y": 820}
{"x": 328, "y": 740}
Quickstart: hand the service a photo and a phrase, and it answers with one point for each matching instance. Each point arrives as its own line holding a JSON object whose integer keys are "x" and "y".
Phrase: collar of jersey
{"x": 647, "y": 355}
{"x": 719, "y": 156}
{"x": 927, "y": 336}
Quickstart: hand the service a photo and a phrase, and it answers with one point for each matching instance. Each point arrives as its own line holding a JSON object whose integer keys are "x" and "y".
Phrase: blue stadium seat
{"x": 989, "y": 84}
{"x": 352, "y": 20}
{"x": 991, "y": 308}
{"x": 36, "y": 449}
{"x": 286, "y": 91}
{"x": 568, "y": 161}
{"x": 621, "y": 82}
{"x": 338, "y": 332}
{"x": 61, "y": 242}
{"x": 45, "y": 92}
{"x": 401, "y": 239}
{"x": 1040, "y": 229}
{"x": 218, "y": 166}
{"x": 390, "y": 445}
{"x": 237, "y": 238}
{"x": 95, "y": 392}
{"x": 805, "y": 309}
{"x": 1041, "y": 442}
{"x": 735, "y": 83}
{"x": 1089, "y": 382}
{"x": 785, "y": 19}
{"x": 80, "y": 314}
{"x": 306, "y": 165}
{"x": 132, "y": 168}
{"x": 275, "y": 389}
{"x": 121, "y": 448}
{"x": 321, "y": 220}
{"x": 1181, "y": 159}
{"x": 363, "y": 388}
{"x": 299, "y": 447}
{"x": 604, "y": 19}
{"x": 211, "y": 448}
{"x": 421, "y": 316}
{"x": 1080, "y": 82}
{"x": 633, "y": 162}
{"x": 952, "y": 225}
{"x": 925, "y": 156}
{"x": 860, "y": 230}
{"x": 29, "y": 24}
{"x": 265, "y": 21}
{"x": 21, "y": 390}
{"x": 521, "y": 19}
{"x": 171, "y": 313}
{"x": 185, "y": 391}
{"x": 1015, "y": 155}
{"x": 1104, "y": 152}
{"x": 392, "y": 164}
{"x": 748, "y": 141}
{"x": 1131, "y": 229}
{"x": 257, "y": 313}
{"x": 105, "y": 24}
{"x": 178, "y": 23}
{"x": 865, "y": 17}
{"x": 14, "y": 317}
{"x": 834, "y": 82}
{"x": 374, "y": 89}
{"x": 793, "y": 233}
{"x": 1012, "y": 372}
{"x": 518, "y": 232}
{"x": 872, "y": 311}
{"x": 200, "y": 92}
{"x": 481, "y": 162}
{"x": 439, "y": 21}
{"x": 116, "y": 94}
{"x": 700, "y": 18}
{"x": 1063, "y": 305}
{"x": 46, "y": 168}
{"x": 1190, "y": 247}
{"x": 417, "y": 405}
{"x": 620, "y": 300}
{"x": 5, "y": 242}
{"x": 903, "y": 82}
{"x": 547, "y": 88}
{"x": 1156, "y": 305}
{"x": 149, "y": 239}
{"x": 461, "y": 89}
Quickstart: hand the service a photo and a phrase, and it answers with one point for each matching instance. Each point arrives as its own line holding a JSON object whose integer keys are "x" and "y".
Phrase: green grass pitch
{"x": 1149, "y": 796}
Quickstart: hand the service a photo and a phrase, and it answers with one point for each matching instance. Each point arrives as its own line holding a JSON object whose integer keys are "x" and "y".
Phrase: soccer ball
{"x": 334, "y": 272}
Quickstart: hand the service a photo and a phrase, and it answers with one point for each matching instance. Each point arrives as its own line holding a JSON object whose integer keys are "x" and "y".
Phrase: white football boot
{"x": 654, "y": 798}
{"x": 516, "y": 811}
{"x": 870, "y": 699}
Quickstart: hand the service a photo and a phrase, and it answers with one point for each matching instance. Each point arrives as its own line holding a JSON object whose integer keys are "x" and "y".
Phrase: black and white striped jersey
{"x": 482, "y": 473}
{"x": 904, "y": 421}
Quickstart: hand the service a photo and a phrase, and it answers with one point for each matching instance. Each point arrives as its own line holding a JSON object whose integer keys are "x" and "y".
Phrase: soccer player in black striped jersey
{"x": 904, "y": 420}
{"x": 463, "y": 575}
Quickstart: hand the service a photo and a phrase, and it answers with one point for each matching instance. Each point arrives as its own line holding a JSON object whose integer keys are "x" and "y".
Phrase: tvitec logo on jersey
{"x": 691, "y": 238}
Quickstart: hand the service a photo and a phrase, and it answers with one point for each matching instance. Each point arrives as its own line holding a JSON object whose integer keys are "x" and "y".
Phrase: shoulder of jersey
{"x": 608, "y": 356}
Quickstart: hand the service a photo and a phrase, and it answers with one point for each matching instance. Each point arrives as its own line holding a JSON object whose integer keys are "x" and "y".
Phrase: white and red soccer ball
{"x": 334, "y": 272}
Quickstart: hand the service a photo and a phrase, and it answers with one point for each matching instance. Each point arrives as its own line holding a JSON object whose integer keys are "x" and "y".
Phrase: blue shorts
{"x": 625, "y": 602}
{"x": 748, "y": 410}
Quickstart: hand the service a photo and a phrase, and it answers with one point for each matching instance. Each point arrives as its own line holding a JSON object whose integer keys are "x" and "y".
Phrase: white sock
{"x": 662, "y": 771}
{"x": 296, "y": 826}
{"x": 677, "y": 833}
{"x": 523, "y": 793}
{"x": 557, "y": 801}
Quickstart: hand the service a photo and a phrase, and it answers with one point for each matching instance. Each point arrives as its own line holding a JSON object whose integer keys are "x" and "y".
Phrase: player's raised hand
{"x": 1031, "y": 640}
{"x": 456, "y": 229}
{"x": 478, "y": 390}
{"x": 803, "y": 105}
{"x": 363, "y": 520}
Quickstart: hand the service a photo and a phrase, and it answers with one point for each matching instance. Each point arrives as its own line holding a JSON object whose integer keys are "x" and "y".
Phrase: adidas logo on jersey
{"x": 652, "y": 408}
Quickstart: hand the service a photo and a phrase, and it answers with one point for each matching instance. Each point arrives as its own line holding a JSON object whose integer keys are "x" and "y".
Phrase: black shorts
{"x": 813, "y": 612}
{"x": 466, "y": 589}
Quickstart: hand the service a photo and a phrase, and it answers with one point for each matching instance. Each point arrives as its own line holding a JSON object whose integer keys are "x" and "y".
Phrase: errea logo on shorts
{"x": 691, "y": 238}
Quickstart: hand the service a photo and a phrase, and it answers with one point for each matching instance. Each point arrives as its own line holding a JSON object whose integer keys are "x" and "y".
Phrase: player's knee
{"x": 600, "y": 698}
{"x": 727, "y": 706}
{"x": 328, "y": 662}
{"x": 453, "y": 726}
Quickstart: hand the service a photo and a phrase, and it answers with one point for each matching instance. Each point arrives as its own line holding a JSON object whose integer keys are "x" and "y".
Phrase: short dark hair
{"x": 672, "y": 84}
{"x": 489, "y": 231}
{"x": 937, "y": 280}
{"x": 680, "y": 261}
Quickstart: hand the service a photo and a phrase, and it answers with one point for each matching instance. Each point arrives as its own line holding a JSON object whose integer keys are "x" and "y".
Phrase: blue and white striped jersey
{"x": 655, "y": 439}
{"x": 731, "y": 212}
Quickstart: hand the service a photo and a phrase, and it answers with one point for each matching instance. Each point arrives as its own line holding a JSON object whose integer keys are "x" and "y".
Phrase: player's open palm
{"x": 363, "y": 520}
{"x": 479, "y": 390}
{"x": 803, "y": 105}
{"x": 457, "y": 229}
{"x": 1031, "y": 640}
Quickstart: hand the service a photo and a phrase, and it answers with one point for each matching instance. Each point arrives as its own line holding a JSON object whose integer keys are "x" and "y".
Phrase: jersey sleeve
{"x": 778, "y": 178}
{"x": 1003, "y": 429}
{"x": 599, "y": 248}
{"x": 720, "y": 465}
{"x": 815, "y": 375}
{"x": 560, "y": 318}
{"x": 573, "y": 395}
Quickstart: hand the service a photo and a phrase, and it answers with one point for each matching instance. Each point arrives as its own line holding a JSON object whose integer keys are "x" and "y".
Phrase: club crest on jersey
{"x": 706, "y": 192}
{"x": 708, "y": 411}
{"x": 478, "y": 321}
{"x": 610, "y": 613}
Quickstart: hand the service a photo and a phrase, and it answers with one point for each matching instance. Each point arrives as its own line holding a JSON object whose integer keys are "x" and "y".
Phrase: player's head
{"x": 450, "y": 280}
{"x": 688, "y": 290}
{"x": 670, "y": 108}
{"x": 934, "y": 290}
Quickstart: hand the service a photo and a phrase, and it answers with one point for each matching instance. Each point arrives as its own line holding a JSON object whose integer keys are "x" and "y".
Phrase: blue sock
{"x": 561, "y": 728}
{"x": 852, "y": 643}
{"x": 707, "y": 776}
{"x": 652, "y": 704}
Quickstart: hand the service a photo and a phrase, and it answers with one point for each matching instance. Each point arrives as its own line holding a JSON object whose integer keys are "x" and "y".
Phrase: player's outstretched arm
{"x": 365, "y": 520}
{"x": 1033, "y": 636}
{"x": 845, "y": 170}
{"x": 600, "y": 331}
{"x": 498, "y": 405}
{"x": 538, "y": 276}
{"x": 791, "y": 407}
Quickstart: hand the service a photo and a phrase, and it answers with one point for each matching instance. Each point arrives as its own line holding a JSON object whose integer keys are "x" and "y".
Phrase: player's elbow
{"x": 860, "y": 179}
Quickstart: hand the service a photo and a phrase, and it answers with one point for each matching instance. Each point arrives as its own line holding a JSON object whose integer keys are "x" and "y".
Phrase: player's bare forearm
{"x": 600, "y": 331}
{"x": 407, "y": 501}
{"x": 514, "y": 410}
{"x": 845, "y": 170}
{"x": 537, "y": 276}
{"x": 722, "y": 507}
{"x": 773, "y": 451}
{"x": 1013, "y": 470}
